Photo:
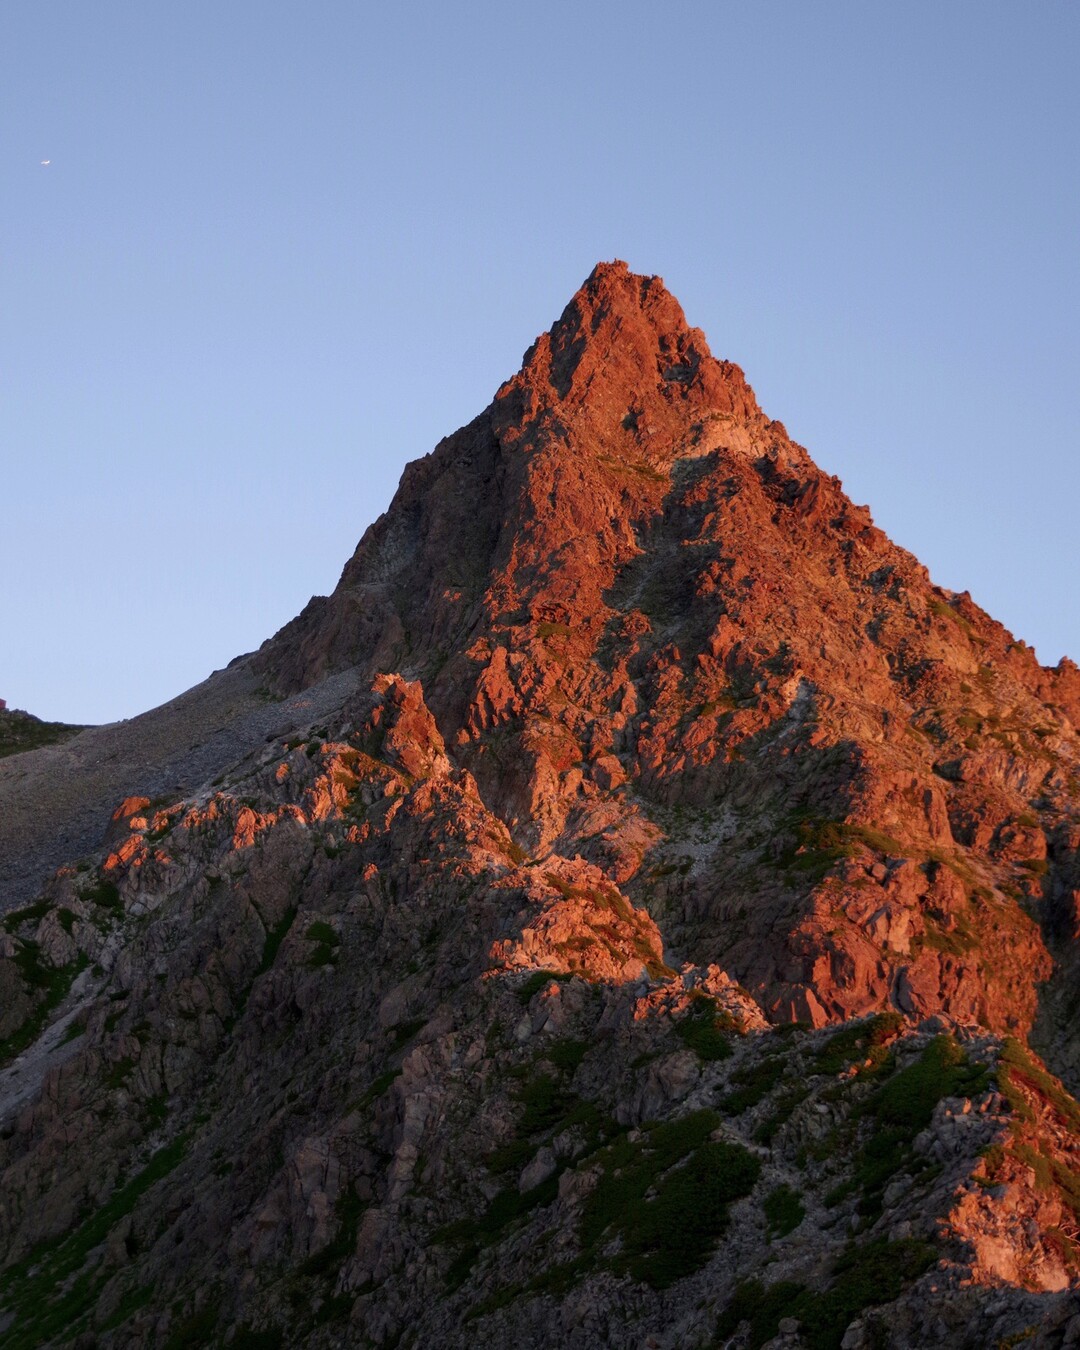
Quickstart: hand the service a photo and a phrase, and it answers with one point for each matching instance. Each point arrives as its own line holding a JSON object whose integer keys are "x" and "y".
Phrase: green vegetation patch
{"x": 21, "y": 731}
{"x": 661, "y": 1201}
{"x": 515, "y": 853}
{"x": 862, "y": 1277}
{"x": 817, "y": 844}
{"x": 956, "y": 941}
{"x": 557, "y": 1281}
{"x": 1016, "y": 1068}
{"x": 50, "y": 983}
{"x": 1019, "y": 1077}
{"x": 274, "y": 938}
{"x": 539, "y": 979}
{"x": 49, "y": 1291}
{"x": 131, "y": 1302}
{"x": 549, "y": 1109}
{"x": 405, "y": 1031}
{"x": 943, "y": 610}
{"x": 638, "y": 467}
{"x": 566, "y": 1054}
{"x": 349, "y": 1210}
{"x": 783, "y": 1107}
{"x": 196, "y": 1330}
{"x": 378, "y": 1087}
{"x": 119, "y": 1073}
{"x": 1036, "y": 866}
{"x": 902, "y": 1106}
{"x": 545, "y": 1105}
{"x": 35, "y": 973}
{"x": 753, "y": 1083}
{"x": 704, "y": 1029}
{"x": 104, "y": 894}
{"x": 607, "y": 899}
{"x": 272, "y": 941}
{"x": 28, "y": 914}
{"x": 867, "y": 1040}
{"x": 472, "y": 1235}
{"x": 784, "y": 1211}
{"x": 665, "y": 1196}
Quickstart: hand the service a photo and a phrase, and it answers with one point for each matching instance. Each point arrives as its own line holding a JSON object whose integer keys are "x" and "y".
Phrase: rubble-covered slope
{"x": 649, "y": 953}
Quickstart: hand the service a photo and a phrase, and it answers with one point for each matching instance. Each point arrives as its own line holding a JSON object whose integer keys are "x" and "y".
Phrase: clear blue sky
{"x": 281, "y": 249}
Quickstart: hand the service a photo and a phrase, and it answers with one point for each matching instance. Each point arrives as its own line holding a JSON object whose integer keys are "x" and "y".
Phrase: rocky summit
{"x": 637, "y": 908}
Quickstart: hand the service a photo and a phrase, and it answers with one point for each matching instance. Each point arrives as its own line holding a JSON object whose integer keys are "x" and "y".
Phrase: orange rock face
{"x": 663, "y": 641}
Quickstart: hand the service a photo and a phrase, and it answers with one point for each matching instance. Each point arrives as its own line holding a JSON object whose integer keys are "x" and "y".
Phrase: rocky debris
{"x": 630, "y": 928}
{"x": 56, "y": 801}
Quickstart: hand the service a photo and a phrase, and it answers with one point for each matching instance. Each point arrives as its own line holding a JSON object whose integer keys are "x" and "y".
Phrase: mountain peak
{"x": 622, "y": 364}
{"x": 611, "y": 289}
{"x": 636, "y": 824}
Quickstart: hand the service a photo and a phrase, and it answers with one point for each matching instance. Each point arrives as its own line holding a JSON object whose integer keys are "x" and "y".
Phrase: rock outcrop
{"x": 667, "y": 938}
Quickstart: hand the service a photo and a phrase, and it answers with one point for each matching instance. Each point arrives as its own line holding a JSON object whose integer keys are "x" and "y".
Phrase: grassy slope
{"x": 21, "y": 731}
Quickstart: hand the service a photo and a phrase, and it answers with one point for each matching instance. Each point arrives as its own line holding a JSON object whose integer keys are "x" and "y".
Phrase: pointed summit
{"x": 622, "y": 358}
{"x": 616, "y": 308}
{"x": 541, "y": 495}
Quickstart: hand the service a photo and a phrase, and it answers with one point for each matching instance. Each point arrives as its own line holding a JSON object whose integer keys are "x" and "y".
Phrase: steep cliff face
{"x": 676, "y": 893}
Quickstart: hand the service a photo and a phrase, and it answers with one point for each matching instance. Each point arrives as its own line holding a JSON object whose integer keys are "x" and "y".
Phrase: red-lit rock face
{"x": 624, "y": 593}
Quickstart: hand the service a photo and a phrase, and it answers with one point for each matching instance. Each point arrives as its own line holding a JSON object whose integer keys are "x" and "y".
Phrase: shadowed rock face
{"x": 516, "y": 992}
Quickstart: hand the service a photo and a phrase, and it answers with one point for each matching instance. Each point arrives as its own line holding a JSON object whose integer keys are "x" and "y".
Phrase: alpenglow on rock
{"x": 636, "y": 908}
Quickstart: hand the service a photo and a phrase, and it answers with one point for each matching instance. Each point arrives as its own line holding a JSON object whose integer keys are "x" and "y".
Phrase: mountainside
{"x": 636, "y": 908}
{"x": 21, "y": 731}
